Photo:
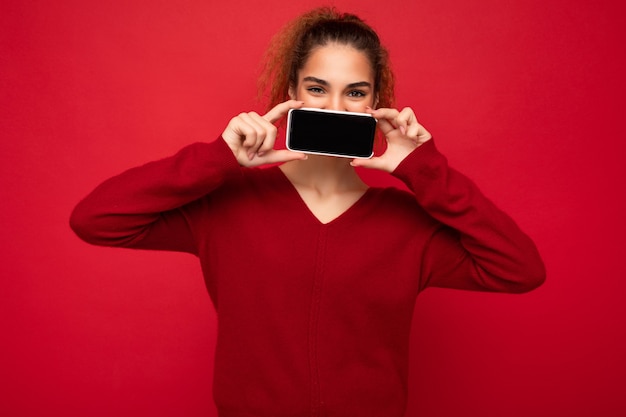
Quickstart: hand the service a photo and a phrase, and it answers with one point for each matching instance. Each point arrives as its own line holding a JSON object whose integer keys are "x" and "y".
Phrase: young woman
{"x": 313, "y": 274}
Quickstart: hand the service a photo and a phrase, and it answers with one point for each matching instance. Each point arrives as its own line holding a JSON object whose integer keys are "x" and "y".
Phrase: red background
{"x": 524, "y": 96}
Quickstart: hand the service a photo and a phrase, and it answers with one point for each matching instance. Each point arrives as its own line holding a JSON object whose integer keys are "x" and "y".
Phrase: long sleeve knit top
{"x": 313, "y": 318}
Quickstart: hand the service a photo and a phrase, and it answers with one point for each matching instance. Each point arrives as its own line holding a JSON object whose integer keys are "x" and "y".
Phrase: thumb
{"x": 279, "y": 156}
{"x": 371, "y": 163}
{"x": 385, "y": 126}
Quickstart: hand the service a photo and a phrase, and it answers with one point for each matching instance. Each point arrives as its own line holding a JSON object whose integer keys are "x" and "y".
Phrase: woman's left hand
{"x": 403, "y": 133}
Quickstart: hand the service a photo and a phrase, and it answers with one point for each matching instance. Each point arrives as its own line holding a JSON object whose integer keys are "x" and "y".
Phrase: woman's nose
{"x": 336, "y": 103}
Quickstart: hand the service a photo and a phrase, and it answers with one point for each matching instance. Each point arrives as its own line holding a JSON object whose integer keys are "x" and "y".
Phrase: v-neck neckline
{"x": 343, "y": 216}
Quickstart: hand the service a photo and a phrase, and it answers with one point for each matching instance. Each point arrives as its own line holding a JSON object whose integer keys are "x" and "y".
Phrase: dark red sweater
{"x": 313, "y": 319}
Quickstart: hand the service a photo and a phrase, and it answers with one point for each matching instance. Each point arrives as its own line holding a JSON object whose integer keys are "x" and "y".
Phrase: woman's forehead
{"x": 337, "y": 62}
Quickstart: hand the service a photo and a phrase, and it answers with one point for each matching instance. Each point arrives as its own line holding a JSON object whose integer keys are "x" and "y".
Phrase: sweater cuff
{"x": 225, "y": 155}
{"x": 203, "y": 164}
{"x": 212, "y": 157}
{"x": 421, "y": 166}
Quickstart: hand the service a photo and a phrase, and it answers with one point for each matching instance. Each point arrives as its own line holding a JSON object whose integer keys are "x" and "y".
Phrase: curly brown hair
{"x": 290, "y": 48}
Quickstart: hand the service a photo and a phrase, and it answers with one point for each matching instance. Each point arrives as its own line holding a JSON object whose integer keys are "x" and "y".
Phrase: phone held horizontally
{"x": 332, "y": 133}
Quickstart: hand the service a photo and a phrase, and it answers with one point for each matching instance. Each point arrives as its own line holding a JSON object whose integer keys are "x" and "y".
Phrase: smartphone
{"x": 332, "y": 133}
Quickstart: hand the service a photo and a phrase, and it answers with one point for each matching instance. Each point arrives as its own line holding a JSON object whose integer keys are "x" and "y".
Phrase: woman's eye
{"x": 315, "y": 90}
{"x": 356, "y": 93}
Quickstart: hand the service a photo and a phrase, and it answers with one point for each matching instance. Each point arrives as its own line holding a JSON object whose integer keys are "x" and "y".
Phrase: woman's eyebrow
{"x": 326, "y": 83}
{"x": 316, "y": 80}
{"x": 360, "y": 84}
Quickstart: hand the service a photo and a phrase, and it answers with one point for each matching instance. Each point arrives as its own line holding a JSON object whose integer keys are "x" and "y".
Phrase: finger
{"x": 385, "y": 126}
{"x": 414, "y": 129}
{"x": 240, "y": 128}
{"x": 279, "y": 156}
{"x": 387, "y": 119}
{"x": 280, "y": 110}
{"x": 385, "y": 113}
{"x": 372, "y": 163}
{"x": 413, "y": 124}
{"x": 255, "y": 135}
{"x": 405, "y": 119}
{"x": 270, "y": 134}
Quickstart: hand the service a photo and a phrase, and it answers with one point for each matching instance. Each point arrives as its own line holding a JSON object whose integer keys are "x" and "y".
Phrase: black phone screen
{"x": 331, "y": 133}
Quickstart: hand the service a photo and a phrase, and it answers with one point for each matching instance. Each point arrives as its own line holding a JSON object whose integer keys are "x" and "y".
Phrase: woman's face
{"x": 336, "y": 77}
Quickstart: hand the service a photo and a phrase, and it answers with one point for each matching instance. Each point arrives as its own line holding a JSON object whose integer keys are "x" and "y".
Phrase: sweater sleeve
{"x": 145, "y": 207}
{"x": 477, "y": 247}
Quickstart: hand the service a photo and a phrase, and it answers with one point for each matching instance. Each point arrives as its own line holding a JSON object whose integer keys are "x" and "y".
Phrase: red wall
{"x": 524, "y": 96}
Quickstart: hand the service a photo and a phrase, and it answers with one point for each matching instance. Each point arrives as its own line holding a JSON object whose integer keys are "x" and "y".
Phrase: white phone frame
{"x": 287, "y": 134}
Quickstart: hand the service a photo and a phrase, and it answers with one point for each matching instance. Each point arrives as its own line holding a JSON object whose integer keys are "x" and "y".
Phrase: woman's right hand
{"x": 251, "y": 137}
